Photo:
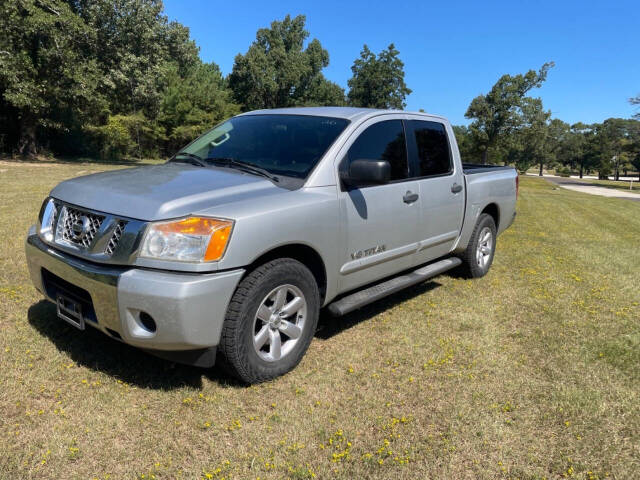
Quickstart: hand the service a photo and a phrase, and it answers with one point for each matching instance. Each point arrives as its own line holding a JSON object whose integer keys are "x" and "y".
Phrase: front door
{"x": 380, "y": 221}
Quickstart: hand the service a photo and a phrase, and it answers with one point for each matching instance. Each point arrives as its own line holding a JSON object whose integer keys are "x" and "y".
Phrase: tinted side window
{"x": 383, "y": 141}
{"x": 433, "y": 148}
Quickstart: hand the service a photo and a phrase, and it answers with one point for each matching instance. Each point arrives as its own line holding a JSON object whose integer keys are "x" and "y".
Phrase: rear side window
{"x": 434, "y": 157}
{"x": 383, "y": 141}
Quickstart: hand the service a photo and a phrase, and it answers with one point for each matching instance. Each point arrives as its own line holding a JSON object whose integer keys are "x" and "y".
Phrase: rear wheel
{"x": 270, "y": 321}
{"x": 478, "y": 256}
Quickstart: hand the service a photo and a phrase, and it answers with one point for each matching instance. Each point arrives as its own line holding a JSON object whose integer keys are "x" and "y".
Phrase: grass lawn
{"x": 530, "y": 372}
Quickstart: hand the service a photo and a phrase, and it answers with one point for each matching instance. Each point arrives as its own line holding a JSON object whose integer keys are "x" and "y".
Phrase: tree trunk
{"x": 581, "y": 168}
{"x": 485, "y": 156}
{"x": 541, "y": 165}
{"x": 27, "y": 145}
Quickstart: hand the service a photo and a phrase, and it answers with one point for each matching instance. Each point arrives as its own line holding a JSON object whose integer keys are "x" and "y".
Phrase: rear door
{"x": 380, "y": 222}
{"x": 441, "y": 187}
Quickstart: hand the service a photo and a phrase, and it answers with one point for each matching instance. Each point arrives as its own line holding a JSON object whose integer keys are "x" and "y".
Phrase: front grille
{"x": 97, "y": 236}
{"x": 79, "y": 227}
{"x": 115, "y": 237}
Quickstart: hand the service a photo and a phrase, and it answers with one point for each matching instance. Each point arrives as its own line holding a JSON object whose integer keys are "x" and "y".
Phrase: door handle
{"x": 455, "y": 188}
{"x": 410, "y": 197}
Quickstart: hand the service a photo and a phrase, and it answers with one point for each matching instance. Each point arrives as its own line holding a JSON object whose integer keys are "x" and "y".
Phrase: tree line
{"x": 116, "y": 78}
{"x": 508, "y": 126}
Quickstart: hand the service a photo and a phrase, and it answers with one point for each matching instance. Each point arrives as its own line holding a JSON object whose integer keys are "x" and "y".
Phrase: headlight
{"x": 192, "y": 239}
{"x": 47, "y": 217}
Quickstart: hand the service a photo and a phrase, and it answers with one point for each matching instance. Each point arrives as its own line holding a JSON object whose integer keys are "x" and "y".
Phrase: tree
{"x": 614, "y": 136}
{"x": 496, "y": 114}
{"x": 46, "y": 81}
{"x": 633, "y": 146}
{"x": 68, "y": 67}
{"x": 321, "y": 91}
{"x": 466, "y": 145}
{"x": 136, "y": 48}
{"x": 378, "y": 82}
{"x": 635, "y": 101}
{"x": 574, "y": 148}
{"x": 127, "y": 135}
{"x": 635, "y": 161}
{"x": 557, "y": 137}
{"x": 193, "y": 103}
{"x": 277, "y": 71}
{"x": 606, "y": 146}
{"x": 530, "y": 141}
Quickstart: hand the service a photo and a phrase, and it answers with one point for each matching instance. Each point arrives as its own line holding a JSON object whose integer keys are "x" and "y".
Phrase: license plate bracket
{"x": 70, "y": 311}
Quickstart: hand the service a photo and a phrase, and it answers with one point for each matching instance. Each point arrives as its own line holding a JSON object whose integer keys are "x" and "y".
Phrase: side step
{"x": 368, "y": 295}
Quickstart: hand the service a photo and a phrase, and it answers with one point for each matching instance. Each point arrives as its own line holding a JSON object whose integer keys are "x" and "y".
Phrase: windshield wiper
{"x": 192, "y": 159}
{"x": 240, "y": 165}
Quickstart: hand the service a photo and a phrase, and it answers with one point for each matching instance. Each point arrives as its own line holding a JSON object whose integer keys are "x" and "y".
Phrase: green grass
{"x": 530, "y": 372}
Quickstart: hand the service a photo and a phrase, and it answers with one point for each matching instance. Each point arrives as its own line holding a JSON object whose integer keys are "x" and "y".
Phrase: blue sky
{"x": 454, "y": 51}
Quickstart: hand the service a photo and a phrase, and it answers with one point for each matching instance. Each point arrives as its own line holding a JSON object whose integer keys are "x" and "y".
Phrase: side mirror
{"x": 368, "y": 172}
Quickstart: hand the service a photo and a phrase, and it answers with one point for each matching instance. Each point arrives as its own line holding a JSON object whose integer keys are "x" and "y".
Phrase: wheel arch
{"x": 301, "y": 252}
{"x": 494, "y": 211}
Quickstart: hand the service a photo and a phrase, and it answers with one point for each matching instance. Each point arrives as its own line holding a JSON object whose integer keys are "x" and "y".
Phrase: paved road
{"x": 585, "y": 187}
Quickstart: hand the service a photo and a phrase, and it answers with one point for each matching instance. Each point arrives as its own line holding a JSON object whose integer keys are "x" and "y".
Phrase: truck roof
{"x": 348, "y": 113}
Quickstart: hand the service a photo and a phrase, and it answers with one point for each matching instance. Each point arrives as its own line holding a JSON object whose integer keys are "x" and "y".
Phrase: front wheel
{"x": 478, "y": 256}
{"x": 270, "y": 321}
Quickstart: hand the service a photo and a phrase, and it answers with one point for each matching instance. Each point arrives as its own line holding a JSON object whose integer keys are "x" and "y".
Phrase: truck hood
{"x": 160, "y": 192}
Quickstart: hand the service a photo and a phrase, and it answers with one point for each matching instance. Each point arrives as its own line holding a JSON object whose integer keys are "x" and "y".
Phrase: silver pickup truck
{"x": 230, "y": 249}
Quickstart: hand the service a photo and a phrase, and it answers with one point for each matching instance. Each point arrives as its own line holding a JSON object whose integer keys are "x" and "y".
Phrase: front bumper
{"x": 188, "y": 309}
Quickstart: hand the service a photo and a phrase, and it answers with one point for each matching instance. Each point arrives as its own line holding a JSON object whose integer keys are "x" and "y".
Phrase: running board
{"x": 363, "y": 297}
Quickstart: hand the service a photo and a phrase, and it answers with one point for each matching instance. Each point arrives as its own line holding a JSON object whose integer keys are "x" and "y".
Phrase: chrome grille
{"x": 56, "y": 209}
{"x": 78, "y": 227}
{"x": 115, "y": 237}
{"x": 97, "y": 236}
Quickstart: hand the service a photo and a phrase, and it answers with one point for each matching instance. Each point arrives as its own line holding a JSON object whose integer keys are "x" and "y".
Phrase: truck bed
{"x": 488, "y": 185}
{"x": 471, "y": 168}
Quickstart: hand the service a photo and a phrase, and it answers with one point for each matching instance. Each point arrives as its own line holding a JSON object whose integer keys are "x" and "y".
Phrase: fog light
{"x": 147, "y": 322}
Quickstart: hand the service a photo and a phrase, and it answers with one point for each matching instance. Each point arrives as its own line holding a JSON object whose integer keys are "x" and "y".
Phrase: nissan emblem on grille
{"x": 78, "y": 227}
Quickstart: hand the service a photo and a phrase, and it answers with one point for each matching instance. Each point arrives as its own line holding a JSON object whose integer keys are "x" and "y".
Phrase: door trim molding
{"x": 362, "y": 263}
{"x": 437, "y": 240}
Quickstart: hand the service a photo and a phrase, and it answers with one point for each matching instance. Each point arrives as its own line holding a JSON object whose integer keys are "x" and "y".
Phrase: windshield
{"x": 288, "y": 145}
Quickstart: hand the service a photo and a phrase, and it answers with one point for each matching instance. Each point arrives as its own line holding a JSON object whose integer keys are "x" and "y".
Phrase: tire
{"x": 256, "y": 315}
{"x": 478, "y": 256}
